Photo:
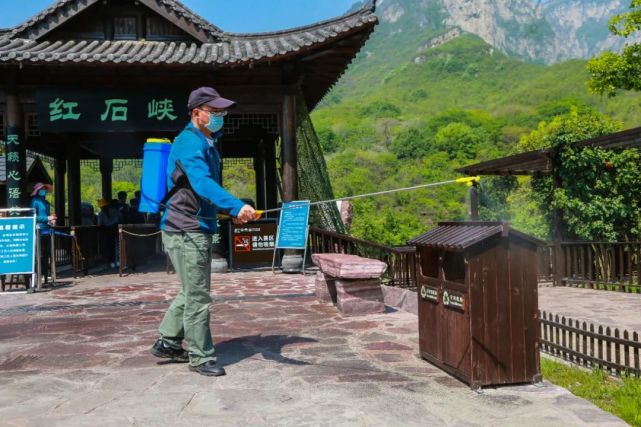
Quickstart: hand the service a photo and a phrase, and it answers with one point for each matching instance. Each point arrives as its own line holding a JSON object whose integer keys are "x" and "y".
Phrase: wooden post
{"x": 290, "y": 173}
{"x": 16, "y": 154}
{"x": 271, "y": 175}
{"x": 106, "y": 169}
{"x": 73, "y": 177}
{"x": 557, "y": 224}
{"x": 59, "y": 190}
{"x": 259, "y": 168}
{"x": 474, "y": 202}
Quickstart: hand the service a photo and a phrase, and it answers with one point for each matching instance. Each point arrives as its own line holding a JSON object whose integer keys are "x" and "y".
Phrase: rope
{"x": 141, "y": 235}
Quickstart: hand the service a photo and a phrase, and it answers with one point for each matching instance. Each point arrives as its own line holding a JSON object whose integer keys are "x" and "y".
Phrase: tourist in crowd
{"x": 44, "y": 221}
{"x": 108, "y": 220}
{"x": 123, "y": 207}
{"x": 135, "y": 217}
{"x": 87, "y": 215}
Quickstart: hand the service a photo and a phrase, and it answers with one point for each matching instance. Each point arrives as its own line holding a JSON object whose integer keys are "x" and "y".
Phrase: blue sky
{"x": 230, "y": 15}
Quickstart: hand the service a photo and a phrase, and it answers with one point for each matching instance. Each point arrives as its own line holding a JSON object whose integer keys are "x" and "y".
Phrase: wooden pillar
{"x": 59, "y": 190}
{"x": 259, "y": 169}
{"x": 290, "y": 173}
{"x": 16, "y": 154}
{"x": 474, "y": 202}
{"x": 271, "y": 175}
{"x": 106, "y": 169}
{"x": 557, "y": 228}
{"x": 73, "y": 177}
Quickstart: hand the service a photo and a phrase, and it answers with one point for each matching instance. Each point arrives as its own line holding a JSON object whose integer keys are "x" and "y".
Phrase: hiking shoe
{"x": 163, "y": 350}
{"x": 209, "y": 369}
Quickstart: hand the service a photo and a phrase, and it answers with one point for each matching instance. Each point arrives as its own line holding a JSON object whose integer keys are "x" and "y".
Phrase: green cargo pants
{"x": 188, "y": 316}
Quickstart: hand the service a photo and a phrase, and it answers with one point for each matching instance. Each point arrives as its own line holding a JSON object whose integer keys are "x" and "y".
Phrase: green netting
{"x": 313, "y": 179}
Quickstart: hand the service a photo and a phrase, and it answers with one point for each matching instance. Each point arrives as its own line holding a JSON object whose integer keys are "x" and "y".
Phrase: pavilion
{"x": 91, "y": 80}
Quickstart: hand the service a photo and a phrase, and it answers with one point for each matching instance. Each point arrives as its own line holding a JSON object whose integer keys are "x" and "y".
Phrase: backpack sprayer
{"x": 154, "y": 183}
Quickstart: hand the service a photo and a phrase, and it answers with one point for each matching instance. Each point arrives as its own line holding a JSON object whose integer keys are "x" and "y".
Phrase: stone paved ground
{"x": 79, "y": 356}
{"x": 607, "y": 308}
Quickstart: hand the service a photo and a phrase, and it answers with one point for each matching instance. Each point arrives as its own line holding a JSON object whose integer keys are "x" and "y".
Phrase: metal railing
{"x": 616, "y": 352}
{"x": 401, "y": 261}
{"x": 601, "y": 265}
{"x": 62, "y": 251}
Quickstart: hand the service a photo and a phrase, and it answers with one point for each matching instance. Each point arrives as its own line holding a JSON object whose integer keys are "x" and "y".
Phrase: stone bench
{"x": 352, "y": 282}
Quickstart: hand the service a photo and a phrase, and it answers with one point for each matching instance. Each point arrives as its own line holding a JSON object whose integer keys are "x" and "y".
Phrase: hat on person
{"x": 39, "y": 186}
{"x": 207, "y": 96}
{"x": 102, "y": 203}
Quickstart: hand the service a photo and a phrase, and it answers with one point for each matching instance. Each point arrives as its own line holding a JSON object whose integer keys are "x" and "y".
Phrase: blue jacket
{"x": 194, "y": 167}
{"x": 42, "y": 212}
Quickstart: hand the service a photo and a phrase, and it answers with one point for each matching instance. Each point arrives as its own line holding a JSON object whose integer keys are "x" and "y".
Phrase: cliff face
{"x": 537, "y": 30}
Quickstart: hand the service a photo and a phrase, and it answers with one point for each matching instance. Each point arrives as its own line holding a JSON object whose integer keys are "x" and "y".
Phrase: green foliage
{"x": 612, "y": 71}
{"x": 328, "y": 140}
{"x": 598, "y": 195}
{"x": 619, "y": 397}
{"x": 379, "y": 109}
{"x": 411, "y": 142}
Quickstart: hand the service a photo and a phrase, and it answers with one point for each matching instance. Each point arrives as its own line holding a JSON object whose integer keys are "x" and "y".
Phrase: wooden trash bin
{"x": 478, "y": 302}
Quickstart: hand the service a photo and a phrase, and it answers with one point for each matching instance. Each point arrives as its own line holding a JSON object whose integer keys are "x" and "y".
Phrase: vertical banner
{"x": 16, "y": 164}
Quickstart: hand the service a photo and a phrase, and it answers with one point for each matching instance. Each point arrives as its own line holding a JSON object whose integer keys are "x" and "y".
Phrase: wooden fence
{"x": 599, "y": 265}
{"x": 401, "y": 261}
{"x": 617, "y": 352}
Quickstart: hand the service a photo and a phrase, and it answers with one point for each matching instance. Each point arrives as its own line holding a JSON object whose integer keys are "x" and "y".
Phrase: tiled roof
{"x": 63, "y": 9}
{"x": 233, "y": 49}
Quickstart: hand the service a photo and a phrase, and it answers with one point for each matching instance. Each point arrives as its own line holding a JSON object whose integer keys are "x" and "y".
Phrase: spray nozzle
{"x": 469, "y": 180}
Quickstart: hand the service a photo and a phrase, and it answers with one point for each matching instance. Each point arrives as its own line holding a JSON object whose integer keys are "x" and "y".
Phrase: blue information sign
{"x": 17, "y": 245}
{"x": 293, "y": 225}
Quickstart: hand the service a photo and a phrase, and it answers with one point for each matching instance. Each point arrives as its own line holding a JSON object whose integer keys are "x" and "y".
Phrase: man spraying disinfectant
{"x": 188, "y": 224}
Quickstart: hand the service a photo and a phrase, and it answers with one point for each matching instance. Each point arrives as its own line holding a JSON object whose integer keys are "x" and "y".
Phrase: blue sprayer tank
{"x": 153, "y": 185}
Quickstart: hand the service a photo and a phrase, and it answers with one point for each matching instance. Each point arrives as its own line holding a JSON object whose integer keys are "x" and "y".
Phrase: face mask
{"x": 42, "y": 193}
{"x": 215, "y": 123}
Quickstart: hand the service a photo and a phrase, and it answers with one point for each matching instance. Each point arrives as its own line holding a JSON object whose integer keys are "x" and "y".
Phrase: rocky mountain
{"x": 546, "y": 31}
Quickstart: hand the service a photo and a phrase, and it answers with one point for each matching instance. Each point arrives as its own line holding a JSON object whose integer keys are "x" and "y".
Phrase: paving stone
{"x": 290, "y": 361}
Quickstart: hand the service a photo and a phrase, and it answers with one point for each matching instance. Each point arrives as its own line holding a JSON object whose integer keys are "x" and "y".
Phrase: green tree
{"x": 458, "y": 140}
{"x": 597, "y": 197}
{"x": 612, "y": 71}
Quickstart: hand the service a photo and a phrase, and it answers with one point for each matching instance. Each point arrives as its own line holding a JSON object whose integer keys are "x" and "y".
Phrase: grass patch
{"x": 621, "y": 397}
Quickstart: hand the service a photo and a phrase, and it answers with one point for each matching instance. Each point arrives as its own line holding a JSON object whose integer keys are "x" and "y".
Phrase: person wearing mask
{"x": 188, "y": 224}
{"x": 44, "y": 221}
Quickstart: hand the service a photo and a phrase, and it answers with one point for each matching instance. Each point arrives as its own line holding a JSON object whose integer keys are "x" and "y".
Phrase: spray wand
{"x": 469, "y": 181}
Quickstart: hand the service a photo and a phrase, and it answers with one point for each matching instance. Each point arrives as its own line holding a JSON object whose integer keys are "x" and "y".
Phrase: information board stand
{"x": 293, "y": 228}
{"x": 19, "y": 244}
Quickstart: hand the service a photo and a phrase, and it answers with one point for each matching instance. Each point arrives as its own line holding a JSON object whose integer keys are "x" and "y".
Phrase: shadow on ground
{"x": 270, "y": 347}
